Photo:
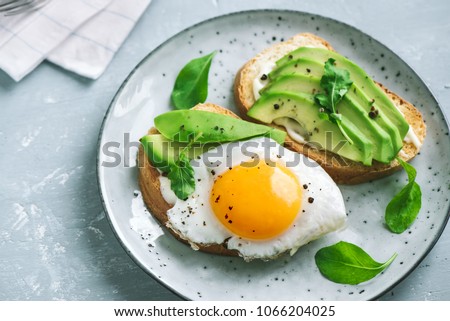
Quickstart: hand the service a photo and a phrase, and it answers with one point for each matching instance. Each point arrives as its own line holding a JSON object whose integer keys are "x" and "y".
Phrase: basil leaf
{"x": 403, "y": 209}
{"x": 191, "y": 85}
{"x": 181, "y": 176}
{"x": 347, "y": 263}
{"x": 335, "y": 82}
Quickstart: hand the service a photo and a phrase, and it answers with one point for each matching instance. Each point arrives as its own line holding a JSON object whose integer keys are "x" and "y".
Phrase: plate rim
{"x": 225, "y": 16}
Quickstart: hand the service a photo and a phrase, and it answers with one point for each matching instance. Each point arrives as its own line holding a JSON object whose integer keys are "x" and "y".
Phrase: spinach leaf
{"x": 191, "y": 85}
{"x": 403, "y": 209}
{"x": 335, "y": 82}
{"x": 347, "y": 263}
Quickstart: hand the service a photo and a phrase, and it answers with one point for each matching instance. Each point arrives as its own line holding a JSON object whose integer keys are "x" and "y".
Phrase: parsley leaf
{"x": 191, "y": 85}
{"x": 335, "y": 82}
{"x": 403, "y": 209}
{"x": 347, "y": 263}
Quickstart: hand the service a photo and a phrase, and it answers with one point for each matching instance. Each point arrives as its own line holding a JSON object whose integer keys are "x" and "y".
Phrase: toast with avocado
{"x": 331, "y": 109}
{"x": 158, "y": 152}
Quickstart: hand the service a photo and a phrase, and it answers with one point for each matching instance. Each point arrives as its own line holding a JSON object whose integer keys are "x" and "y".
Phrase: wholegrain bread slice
{"x": 149, "y": 184}
{"x": 342, "y": 170}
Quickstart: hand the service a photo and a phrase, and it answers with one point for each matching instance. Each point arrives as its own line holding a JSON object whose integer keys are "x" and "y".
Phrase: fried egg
{"x": 259, "y": 198}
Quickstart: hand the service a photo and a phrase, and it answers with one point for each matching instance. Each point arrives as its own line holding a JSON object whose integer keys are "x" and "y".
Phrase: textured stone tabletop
{"x": 55, "y": 241}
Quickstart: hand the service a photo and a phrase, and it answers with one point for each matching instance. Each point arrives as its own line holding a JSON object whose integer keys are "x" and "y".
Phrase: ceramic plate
{"x": 199, "y": 276}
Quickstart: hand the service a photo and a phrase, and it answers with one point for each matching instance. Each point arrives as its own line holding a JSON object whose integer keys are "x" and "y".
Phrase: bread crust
{"x": 149, "y": 184}
{"x": 342, "y": 170}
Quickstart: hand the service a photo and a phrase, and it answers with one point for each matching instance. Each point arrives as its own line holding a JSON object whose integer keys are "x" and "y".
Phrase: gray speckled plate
{"x": 194, "y": 275}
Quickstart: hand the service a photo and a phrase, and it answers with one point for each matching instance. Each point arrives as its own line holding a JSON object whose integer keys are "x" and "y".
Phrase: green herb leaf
{"x": 324, "y": 116}
{"x": 403, "y": 209}
{"x": 322, "y": 100}
{"x": 335, "y": 82}
{"x": 181, "y": 177}
{"x": 181, "y": 173}
{"x": 347, "y": 263}
{"x": 191, "y": 85}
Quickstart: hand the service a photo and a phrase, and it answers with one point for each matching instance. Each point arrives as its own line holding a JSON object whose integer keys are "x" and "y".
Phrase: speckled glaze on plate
{"x": 199, "y": 276}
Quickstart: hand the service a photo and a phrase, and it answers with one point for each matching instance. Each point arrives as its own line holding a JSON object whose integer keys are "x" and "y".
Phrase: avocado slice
{"x": 359, "y": 77}
{"x": 184, "y": 125}
{"x": 355, "y": 94}
{"x": 383, "y": 150}
{"x": 298, "y": 66}
{"x": 302, "y": 108}
{"x": 163, "y": 152}
{"x": 383, "y": 120}
{"x": 295, "y": 83}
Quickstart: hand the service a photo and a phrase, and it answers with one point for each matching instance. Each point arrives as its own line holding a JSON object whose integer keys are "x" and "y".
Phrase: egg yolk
{"x": 256, "y": 201}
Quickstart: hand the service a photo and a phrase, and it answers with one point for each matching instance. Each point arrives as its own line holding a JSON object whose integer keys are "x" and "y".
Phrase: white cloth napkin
{"x": 78, "y": 35}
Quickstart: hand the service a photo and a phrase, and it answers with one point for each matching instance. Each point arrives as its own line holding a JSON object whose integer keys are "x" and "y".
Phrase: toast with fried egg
{"x": 343, "y": 171}
{"x": 252, "y": 197}
{"x": 149, "y": 184}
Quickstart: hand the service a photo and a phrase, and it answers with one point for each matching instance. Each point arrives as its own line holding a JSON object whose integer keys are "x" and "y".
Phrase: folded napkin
{"x": 78, "y": 35}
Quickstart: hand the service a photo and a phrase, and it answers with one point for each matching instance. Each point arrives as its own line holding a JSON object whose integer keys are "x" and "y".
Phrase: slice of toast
{"x": 343, "y": 171}
{"x": 150, "y": 187}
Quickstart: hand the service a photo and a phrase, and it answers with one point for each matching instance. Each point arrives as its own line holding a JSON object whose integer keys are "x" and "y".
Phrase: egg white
{"x": 194, "y": 220}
